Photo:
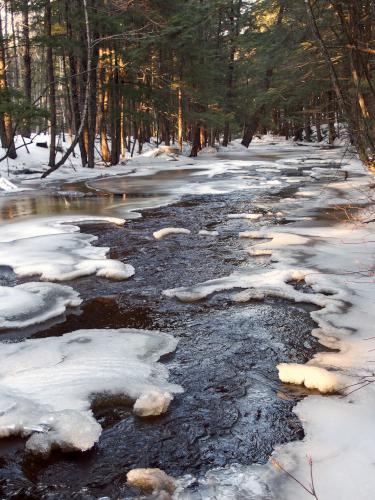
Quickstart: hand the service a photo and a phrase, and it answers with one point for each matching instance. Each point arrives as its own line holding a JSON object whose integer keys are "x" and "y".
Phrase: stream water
{"x": 233, "y": 409}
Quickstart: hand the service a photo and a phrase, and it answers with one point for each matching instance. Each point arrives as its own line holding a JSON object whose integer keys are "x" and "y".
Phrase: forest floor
{"x": 277, "y": 267}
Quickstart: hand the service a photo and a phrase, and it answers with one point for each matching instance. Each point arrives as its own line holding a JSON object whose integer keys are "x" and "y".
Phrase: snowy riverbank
{"x": 322, "y": 254}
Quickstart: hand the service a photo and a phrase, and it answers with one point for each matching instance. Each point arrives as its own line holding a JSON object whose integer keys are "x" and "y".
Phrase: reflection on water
{"x": 50, "y": 204}
{"x": 122, "y": 196}
{"x": 118, "y": 196}
{"x": 162, "y": 183}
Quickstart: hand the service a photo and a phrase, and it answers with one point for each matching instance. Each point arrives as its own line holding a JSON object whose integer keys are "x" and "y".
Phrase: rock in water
{"x": 151, "y": 480}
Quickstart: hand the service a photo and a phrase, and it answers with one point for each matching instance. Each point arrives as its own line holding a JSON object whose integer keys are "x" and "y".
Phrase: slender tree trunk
{"x": 73, "y": 68}
{"x": 180, "y": 120}
{"x": 51, "y": 83}
{"x": 6, "y": 129}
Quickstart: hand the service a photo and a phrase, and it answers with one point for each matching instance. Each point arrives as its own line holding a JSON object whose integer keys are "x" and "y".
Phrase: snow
{"x": 204, "y": 232}
{"x": 151, "y": 480}
{"x": 335, "y": 260}
{"x": 56, "y": 250}
{"x": 8, "y": 186}
{"x": 166, "y": 231}
{"x": 245, "y": 216}
{"x": 40, "y": 302}
{"x": 311, "y": 377}
{"x": 152, "y": 404}
{"x": 47, "y": 385}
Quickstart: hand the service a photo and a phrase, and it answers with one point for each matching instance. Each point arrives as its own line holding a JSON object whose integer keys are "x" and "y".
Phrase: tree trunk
{"x": 26, "y": 130}
{"x": 180, "y": 120}
{"x": 51, "y": 84}
{"x": 196, "y": 145}
{"x": 6, "y": 129}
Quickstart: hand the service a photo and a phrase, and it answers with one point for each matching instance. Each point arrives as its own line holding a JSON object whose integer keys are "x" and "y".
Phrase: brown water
{"x": 118, "y": 195}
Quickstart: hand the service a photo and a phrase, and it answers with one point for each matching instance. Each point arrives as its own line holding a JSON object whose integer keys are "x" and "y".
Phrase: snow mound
{"x": 47, "y": 385}
{"x": 158, "y": 235}
{"x": 152, "y": 404}
{"x": 32, "y": 303}
{"x": 204, "y": 232}
{"x": 311, "y": 377}
{"x": 245, "y": 216}
{"x": 151, "y": 480}
{"x": 57, "y": 251}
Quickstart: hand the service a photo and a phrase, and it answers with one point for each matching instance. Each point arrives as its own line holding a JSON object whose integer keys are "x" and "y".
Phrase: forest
{"x": 114, "y": 75}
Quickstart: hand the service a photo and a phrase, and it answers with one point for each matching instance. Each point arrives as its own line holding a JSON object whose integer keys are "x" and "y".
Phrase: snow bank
{"x": 158, "y": 235}
{"x": 47, "y": 385}
{"x": 57, "y": 251}
{"x": 32, "y": 303}
{"x": 311, "y": 377}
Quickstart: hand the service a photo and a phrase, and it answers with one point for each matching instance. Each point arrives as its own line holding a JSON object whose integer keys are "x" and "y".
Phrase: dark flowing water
{"x": 233, "y": 409}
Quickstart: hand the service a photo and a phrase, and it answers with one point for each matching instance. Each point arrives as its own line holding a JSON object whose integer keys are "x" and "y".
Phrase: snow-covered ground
{"x": 334, "y": 260}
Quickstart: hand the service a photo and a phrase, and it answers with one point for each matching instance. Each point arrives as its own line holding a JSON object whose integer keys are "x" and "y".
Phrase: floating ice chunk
{"x": 67, "y": 430}
{"x": 204, "y": 232}
{"x": 311, "y": 377}
{"x": 8, "y": 186}
{"x": 153, "y": 403}
{"x": 32, "y": 303}
{"x": 151, "y": 480}
{"x": 57, "y": 251}
{"x": 47, "y": 385}
{"x": 245, "y": 216}
{"x": 158, "y": 235}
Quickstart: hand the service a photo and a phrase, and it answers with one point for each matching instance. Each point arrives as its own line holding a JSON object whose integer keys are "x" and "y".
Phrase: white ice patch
{"x": 47, "y": 385}
{"x": 57, "y": 251}
{"x": 8, "y": 186}
{"x": 311, "y": 377}
{"x": 245, "y": 216}
{"x": 32, "y": 303}
{"x": 204, "y": 232}
{"x": 166, "y": 231}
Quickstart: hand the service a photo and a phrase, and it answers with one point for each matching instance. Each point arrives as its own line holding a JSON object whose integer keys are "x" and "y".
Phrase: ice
{"x": 235, "y": 482}
{"x": 204, "y": 232}
{"x": 152, "y": 404}
{"x": 311, "y": 377}
{"x": 245, "y": 216}
{"x": 8, "y": 186}
{"x": 328, "y": 263}
{"x": 328, "y": 173}
{"x": 57, "y": 251}
{"x": 47, "y": 385}
{"x": 32, "y": 303}
{"x": 166, "y": 231}
{"x": 151, "y": 480}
